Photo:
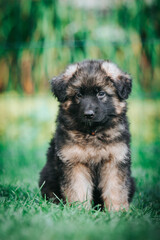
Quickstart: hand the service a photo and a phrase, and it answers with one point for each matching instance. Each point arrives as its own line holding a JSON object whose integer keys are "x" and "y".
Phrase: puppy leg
{"x": 113, "y": 185}
{"x": 78, "y": 184}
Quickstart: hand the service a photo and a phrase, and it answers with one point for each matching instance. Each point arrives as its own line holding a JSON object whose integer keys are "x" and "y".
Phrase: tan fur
{"x": 114, "y": 191}
{"x": 111, "y": 69}
{"x": 80, "y": 186}
{"x": 119, "y": 105}
{"x": 70, "y": 71}
{"x": 112, "y": 133}
{"x": 109, "y": 134}
{"x": 92, "y": 150}
{"x": 107, "y": 87}
{"x": 66, "y": 105}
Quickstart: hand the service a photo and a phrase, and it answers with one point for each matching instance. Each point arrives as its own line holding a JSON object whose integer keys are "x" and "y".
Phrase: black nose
{"x": 89, "y": 114}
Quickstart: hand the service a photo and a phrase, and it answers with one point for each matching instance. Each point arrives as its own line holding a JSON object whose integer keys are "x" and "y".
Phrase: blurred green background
{"x": 37, "y": 40}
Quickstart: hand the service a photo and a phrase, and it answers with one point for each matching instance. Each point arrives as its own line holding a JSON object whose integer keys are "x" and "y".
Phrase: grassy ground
{"x": 26, "y": 125}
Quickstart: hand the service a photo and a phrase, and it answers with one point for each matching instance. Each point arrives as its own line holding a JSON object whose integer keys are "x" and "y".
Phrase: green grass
{"x": 26, "y": 125}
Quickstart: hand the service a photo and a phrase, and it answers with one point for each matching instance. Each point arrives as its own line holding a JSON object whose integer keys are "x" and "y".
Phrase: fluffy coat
{"x": 89, "y": 156}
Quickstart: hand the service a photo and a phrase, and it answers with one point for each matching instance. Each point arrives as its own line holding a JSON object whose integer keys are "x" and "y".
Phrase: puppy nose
{"x": 89, "y": 114}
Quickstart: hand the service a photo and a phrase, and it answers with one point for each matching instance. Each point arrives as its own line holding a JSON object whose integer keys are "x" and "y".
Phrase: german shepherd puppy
{"x": 89, "y": 156}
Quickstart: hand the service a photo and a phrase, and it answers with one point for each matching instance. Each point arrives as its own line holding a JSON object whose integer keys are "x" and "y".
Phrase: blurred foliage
{"x": 39, "y": 38}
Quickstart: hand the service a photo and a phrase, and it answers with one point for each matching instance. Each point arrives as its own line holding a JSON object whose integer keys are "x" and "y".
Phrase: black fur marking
{"x": 123, "y": 87}
{"x": 58, "y": 87}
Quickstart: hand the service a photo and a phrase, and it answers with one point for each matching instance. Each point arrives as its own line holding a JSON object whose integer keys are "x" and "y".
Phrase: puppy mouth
{"x": 87, "y": 122}
{"x": 92, "y": 121}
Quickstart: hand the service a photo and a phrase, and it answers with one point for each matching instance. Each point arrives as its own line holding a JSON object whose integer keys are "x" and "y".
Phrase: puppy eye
{"x": 78, "y": 95}
{"x": 101, "y": 94}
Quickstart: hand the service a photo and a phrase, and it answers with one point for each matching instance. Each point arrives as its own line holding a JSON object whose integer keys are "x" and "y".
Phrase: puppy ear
{"x": 121, "y": 80}
{"x": 59, "y": 84}
{"x": 123, "y": 86}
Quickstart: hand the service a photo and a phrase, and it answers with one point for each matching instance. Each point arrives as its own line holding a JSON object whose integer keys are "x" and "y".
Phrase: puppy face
{"x": 92, "y": 92}
{"x": 91, "y": 105}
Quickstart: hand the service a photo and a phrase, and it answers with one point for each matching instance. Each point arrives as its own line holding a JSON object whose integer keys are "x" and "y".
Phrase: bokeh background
{"x": 38, "y": 39}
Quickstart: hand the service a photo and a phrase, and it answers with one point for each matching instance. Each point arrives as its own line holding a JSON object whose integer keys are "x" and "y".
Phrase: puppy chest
{"x": 92, "y": 154}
